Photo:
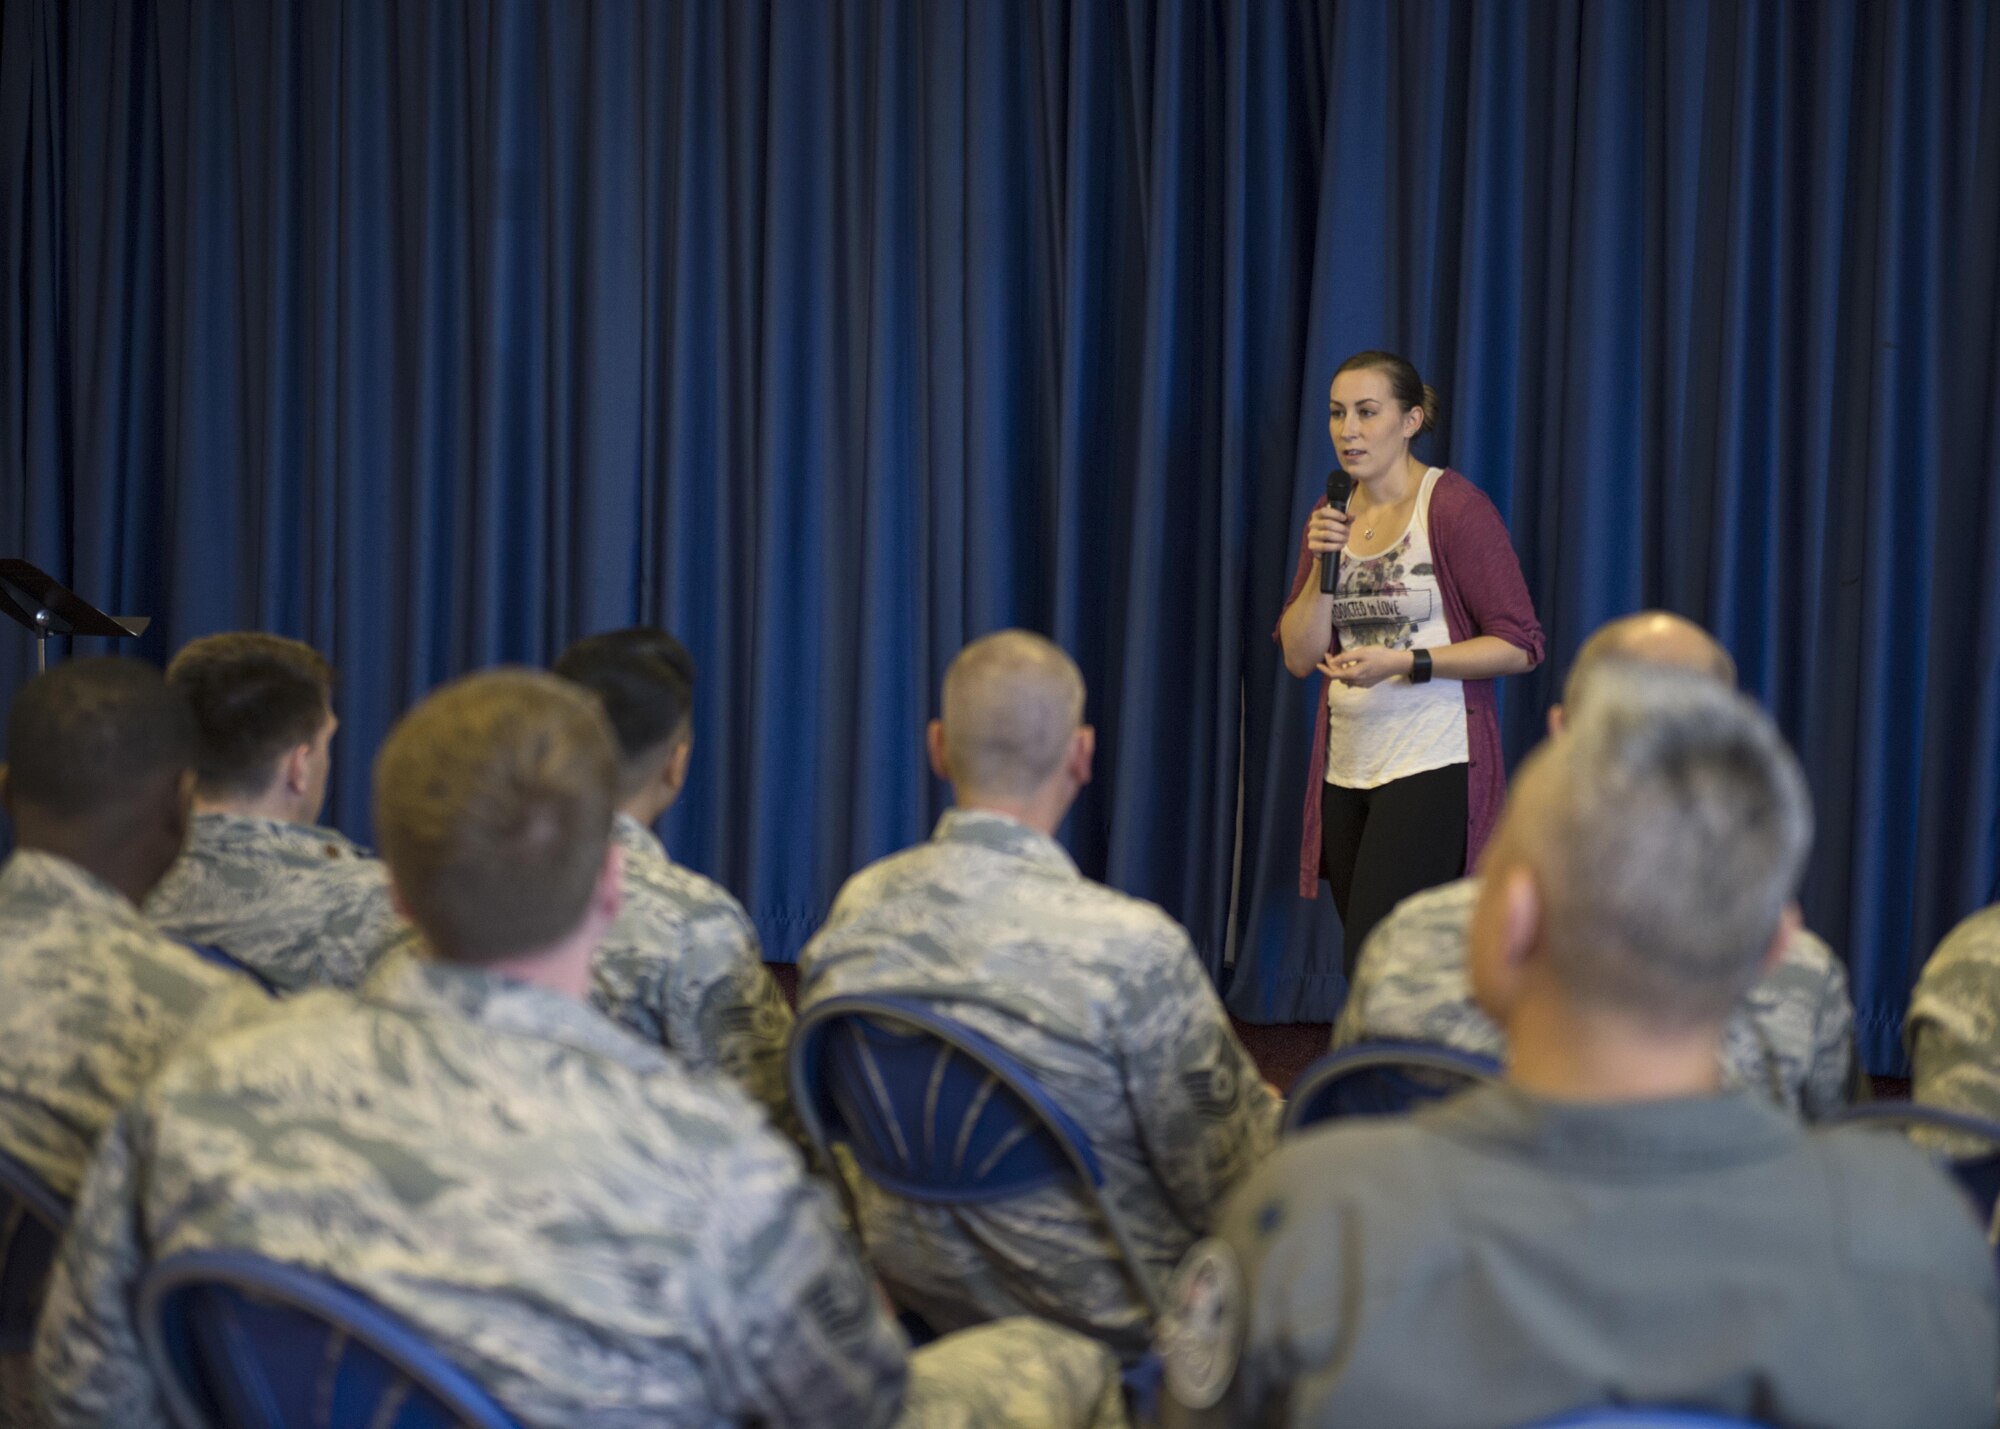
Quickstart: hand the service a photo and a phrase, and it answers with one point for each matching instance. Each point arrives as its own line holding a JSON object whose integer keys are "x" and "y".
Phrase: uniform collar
{"x": 1684, "y": 1133}
{"x": 412, "y": 983}
{"x": 635, "y": 838}
{"x": 998, "y": 833}
{"x": 219, "y": 830}
{"x": 49, "y": 875}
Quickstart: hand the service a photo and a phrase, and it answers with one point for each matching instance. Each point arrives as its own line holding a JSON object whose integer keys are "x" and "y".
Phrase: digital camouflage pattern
{"x": 1103, "y": 997}
{"x": 1953, "y": 1027}
{"x": 681, "y": 967}
{"x": 1791, "y": 1037}
{"x": 300, "y": 905}
{"x": 596, "y": 1235}
{"x": 94, "y": 999}
{"x": 1014, "y": 1374}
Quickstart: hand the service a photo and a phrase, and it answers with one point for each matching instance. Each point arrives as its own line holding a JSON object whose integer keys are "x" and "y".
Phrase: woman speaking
{"x": 1425, "y": 609}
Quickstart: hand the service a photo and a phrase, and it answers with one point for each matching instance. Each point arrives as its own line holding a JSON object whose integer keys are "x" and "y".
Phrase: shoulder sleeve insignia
{"x": 1201, "y": 1334}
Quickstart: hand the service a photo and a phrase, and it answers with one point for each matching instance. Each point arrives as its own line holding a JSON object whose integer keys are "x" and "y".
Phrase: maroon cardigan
{"x": 1484, "y": 594}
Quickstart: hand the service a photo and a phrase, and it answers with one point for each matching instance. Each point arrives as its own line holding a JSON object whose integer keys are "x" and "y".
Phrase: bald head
{"x": 1663, "y": 835}
{"x": 1013, "y": 705}
{"x": 1651, "y": 637}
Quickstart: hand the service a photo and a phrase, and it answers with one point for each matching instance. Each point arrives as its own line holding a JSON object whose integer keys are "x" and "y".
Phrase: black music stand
{"x": 36, "y": 599}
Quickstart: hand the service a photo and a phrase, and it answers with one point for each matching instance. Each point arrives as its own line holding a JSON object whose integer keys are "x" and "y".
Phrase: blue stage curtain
{"x": 1710, "y": 293}
{"x": 833, "y": 334}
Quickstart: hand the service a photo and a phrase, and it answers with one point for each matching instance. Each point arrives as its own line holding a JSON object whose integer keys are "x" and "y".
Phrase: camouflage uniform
{"x": 1102, "y": 996}
{"x": 681, "y": 968}
{"x": 1499, "y": 1258}
{"x": 95, "y": 997}
{"x": 1792, "y": 1036}
{"x": 596, "y": 1235}
{"x": 298, "y": 904}
{"x": 1014, "y": 1374}
{"x": 1953, "y": 1028}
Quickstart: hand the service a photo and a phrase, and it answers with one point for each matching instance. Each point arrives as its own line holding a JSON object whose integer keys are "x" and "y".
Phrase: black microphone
{"x": 1339, "y": 486}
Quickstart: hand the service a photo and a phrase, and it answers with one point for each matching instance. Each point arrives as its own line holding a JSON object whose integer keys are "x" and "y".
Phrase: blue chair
{"x": 210, "y": 953}
{"x": 1645, "y": 1419}
{"x": 32, "y": 1218}
{"x": 1382, "y": 1079}
{"x": 935, "y": 1113}
{"x": 236, "y": 1341}
{"x": 1978, "y": 1174}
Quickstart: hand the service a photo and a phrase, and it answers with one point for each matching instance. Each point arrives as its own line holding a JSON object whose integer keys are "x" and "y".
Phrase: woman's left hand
{"x": 1366, "y": 666}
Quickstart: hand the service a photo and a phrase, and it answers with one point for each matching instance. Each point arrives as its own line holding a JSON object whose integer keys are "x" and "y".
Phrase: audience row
{"x": 522, "y": 1080}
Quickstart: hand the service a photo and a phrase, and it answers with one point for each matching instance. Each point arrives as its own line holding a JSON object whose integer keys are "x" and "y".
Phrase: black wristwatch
{"x": 1420, "y": 667}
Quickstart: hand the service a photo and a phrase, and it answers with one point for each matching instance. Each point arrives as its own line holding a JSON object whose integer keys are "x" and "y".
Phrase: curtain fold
{"x": 834, "y": 334}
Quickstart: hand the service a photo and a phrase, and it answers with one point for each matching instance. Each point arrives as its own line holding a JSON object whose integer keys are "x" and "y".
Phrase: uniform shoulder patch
{"x": 1201, "y": 1334}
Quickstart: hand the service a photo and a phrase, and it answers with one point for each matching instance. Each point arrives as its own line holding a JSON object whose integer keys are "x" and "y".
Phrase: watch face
{"x": 1201, "y": 1335}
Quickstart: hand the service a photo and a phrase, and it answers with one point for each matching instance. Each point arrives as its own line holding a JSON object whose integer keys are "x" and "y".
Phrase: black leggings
{"x": 1378, "y": 846}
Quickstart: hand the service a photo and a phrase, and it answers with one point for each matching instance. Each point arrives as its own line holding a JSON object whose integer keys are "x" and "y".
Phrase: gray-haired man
{"x": 1610, "y": 1226}
{"x": 1791, "y": 1035}
{"x": 1100, "y": 994}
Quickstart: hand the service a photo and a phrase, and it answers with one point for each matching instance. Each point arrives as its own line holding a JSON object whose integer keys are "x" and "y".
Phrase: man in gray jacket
{"x": 1612, "y": 1225}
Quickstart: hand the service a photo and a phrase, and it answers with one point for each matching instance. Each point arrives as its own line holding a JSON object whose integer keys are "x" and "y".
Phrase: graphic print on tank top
{"x": 1393, "y": 599}
{"x": 1374, "y": 603}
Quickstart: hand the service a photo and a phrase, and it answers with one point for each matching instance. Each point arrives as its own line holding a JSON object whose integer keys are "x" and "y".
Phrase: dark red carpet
{"x": 1285, "y": 1050}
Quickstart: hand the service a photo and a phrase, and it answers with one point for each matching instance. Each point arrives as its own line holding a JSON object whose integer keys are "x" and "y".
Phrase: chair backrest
{"x": 1645, "y": 1419}
{"x": 210, "y": 953}
{"x": 1382, "y": 1079}
{"x": 236, "y": 1341}
{"x": 1978, "y": 1173}
{"x": 935, "y": 1112}
{"x": 32, "y": 1218}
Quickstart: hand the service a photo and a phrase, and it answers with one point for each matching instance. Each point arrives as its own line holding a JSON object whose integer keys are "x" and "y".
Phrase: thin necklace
{"x": 1368, "y": 533}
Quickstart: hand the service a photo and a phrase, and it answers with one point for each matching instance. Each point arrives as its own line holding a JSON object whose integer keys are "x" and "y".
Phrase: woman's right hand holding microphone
{"x": 1326, "y": 532}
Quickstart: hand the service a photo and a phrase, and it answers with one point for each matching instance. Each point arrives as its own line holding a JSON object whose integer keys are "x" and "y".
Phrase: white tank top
{"x": 1396, "y": 729}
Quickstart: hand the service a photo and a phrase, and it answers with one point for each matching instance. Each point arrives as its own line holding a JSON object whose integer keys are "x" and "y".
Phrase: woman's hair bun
{"x": 1433, "y": 409}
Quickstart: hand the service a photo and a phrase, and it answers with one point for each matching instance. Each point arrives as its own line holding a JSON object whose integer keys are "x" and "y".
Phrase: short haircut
{"x": 493, "y": 803}
{"x": 83, "y": 738}
{"x": 1667, "y": 830}
{"x": 254, "y": 696}
{"x": 1012, "y": 702}
{"x": 1651, "y": 637}
{"x": 645, "y": 679}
